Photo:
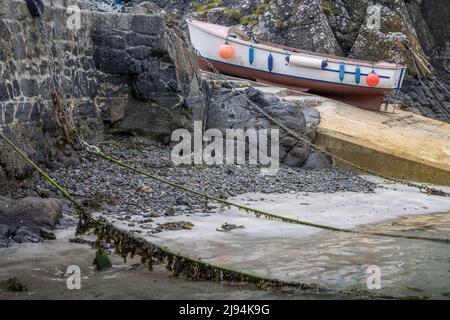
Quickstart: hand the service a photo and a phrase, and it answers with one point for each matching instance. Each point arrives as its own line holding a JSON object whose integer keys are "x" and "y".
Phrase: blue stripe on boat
{"x": 399, "y": 82}
{"x": 270, "y": 62}
{"x": 349, "y": 72}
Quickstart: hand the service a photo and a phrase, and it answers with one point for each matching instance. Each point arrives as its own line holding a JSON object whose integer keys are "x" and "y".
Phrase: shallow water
{"x": 338, "y": 262}
{"x": 408, "y": 268}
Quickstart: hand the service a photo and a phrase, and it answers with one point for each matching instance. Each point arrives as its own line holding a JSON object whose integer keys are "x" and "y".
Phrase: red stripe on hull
{"x": 362, "y": 97}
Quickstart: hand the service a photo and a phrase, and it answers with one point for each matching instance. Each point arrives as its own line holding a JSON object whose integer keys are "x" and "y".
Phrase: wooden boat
{"x": 356, "y": 82}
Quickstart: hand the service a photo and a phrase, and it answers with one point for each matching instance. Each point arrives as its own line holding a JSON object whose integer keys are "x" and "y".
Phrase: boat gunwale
{"x": 275, "y": 48}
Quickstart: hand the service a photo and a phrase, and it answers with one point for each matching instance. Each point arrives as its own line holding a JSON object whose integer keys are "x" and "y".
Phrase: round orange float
{"x": 226, "y": 51}
{"x": 372, "y": 79}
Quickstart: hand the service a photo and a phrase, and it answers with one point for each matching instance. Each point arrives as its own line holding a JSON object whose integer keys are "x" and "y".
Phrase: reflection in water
{"x": 409, "y": 268}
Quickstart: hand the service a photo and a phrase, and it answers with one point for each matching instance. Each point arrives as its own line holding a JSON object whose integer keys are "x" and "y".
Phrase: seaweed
{"x": 126, "y": 244}
{"x": 13, "y": 285}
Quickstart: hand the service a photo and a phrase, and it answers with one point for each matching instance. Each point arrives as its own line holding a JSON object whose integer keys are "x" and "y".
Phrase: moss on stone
{"x": 235, "y": 14}
{"x": 278, "y": 23}
{"x": 200, "y": 7}
{"x": 328, "y": 8}
{"x": 102, "y": 260}
{"x": 261, "y": 8}
{"x": 249, "y": 19}
{"x": 13, "y": 285}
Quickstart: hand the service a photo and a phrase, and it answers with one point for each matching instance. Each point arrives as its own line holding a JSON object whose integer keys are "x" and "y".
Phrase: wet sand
{"x": 336, "y": 261}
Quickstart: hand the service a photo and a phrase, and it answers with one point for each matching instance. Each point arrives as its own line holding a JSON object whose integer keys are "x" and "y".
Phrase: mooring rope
{"x": 256, "y": 212}
{"x": 180, "y": 265}
{"x": 422, "y": 187}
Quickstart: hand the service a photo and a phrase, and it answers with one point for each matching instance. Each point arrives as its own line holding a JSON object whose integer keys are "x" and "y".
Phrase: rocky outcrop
{"x": 156, "y": 66}
{"x": 230, "y": 109}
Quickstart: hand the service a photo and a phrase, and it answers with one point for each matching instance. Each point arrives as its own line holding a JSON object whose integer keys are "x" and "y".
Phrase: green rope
{"x": 177, "y": 263}
{"x": 259, "y": 213}
{"x": 220, "y": 273}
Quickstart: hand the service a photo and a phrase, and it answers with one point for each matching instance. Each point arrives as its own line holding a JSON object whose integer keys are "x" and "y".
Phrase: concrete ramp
{"x": 397, "y": 144}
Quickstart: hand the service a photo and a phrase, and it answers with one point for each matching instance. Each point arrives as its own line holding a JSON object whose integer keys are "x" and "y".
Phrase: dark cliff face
{"x": 342, "y": 27}
{"x": 436, "y": 14}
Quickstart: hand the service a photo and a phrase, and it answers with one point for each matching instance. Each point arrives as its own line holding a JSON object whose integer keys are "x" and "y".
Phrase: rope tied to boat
{"x": 422, "y": 187}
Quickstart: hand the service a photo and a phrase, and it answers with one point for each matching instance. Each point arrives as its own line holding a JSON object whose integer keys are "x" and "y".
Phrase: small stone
{"x": 47, "y": 234}
{"x": 145, "y": 189}
{"x": 170, "y": 212}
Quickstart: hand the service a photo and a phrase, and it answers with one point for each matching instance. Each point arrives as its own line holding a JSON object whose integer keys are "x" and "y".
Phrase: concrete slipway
{"x": 334, "y": 260}
{"x": 394, "y": 143}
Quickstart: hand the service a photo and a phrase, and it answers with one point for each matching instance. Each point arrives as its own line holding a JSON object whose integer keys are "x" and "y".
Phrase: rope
{"x": 415, "y": 59}
{"x": 422, "y": 187}
{"x": 256, "y": 212}
{"x": 184, "y": 265}
{"x": 180, "y": 265}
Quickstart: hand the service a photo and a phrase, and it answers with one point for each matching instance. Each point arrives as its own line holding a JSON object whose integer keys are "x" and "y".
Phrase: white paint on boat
{"x": 207, "y": 38}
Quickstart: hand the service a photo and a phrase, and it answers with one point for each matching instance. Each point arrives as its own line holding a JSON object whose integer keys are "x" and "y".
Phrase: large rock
{"x": 230, "y": 109}
{"x": 318, "y": 160}
{"x": 27, "y": 219}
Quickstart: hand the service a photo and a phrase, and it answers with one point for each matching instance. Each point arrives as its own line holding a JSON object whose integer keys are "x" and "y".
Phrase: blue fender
{"x": 358, "y": 75}
{"x": 270, "y": 62}
{"x": 341, "y": 71}
{"x": 251, "y": 55}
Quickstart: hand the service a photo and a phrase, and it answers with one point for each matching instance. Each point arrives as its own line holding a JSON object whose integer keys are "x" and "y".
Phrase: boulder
{"x": 318, "y": 160}
{"x": 297, "y": 156}
{"x": 231, "y": 110}
{"x": 24, "y": 234}
{"x": 26, "y": 217}
{"x": 4, "y": 231}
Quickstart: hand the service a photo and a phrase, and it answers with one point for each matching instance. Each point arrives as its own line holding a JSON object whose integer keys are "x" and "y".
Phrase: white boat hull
{"x": 328, "y": 81}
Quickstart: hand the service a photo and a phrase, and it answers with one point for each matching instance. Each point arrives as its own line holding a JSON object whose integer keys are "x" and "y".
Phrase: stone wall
{"x": 26, "y": 68}
{"x": 118, "y": 69}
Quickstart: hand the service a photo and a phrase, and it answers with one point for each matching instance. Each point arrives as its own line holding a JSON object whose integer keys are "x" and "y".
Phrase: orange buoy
{"x": 372, "y": 79}
{"x": 226, "y": 51}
